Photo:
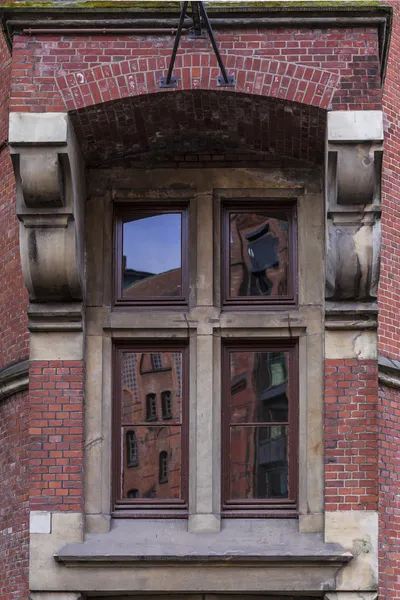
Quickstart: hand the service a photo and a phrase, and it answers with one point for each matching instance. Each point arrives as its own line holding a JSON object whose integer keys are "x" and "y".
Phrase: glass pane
{"x": 152, "y": 256}
{"x": 258, "y": 391}
{"x": 258, "y": 254}
{"x": 156, "y": 471}
{"x": 151, "y": 389}
{"x": 258, "y": 462}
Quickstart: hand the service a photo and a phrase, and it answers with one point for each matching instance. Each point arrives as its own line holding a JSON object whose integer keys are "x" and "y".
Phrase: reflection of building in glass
{"x": 151, "y": 394}
{"x": 258, "y": 430}
{"x": 152, "y": 245}
{"x": 258, "y": 254}
{"x": 140, "y": 284}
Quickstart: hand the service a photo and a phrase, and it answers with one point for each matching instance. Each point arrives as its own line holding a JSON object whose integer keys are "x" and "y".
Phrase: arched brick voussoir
{"x": 257, "y": 76}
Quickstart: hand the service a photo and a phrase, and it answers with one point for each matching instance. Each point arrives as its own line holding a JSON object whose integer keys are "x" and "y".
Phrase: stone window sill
{"x": 254, "y": 542}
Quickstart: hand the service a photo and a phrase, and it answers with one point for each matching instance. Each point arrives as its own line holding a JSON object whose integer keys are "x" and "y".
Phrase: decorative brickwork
{"x": 135, "y": 77}
{"x": 350, "y": 53}
{"x": 287, "y": 79}
{"x": 56, "y": 435}
{"x": 14, "y": 507}
{"x": 351, "y": 473}
{"x": 209, "y": 126}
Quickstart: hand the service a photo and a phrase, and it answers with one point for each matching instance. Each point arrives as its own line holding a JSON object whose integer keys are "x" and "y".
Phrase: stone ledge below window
{"x": 272, "y": 542}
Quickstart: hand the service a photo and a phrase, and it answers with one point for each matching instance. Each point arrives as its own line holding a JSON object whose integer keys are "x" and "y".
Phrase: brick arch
{"x": 198, "y": 71}
{"x": 201, "y": 126}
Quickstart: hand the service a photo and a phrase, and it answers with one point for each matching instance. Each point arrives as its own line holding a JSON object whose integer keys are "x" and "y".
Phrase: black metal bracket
{"x": 196, "y": 16}
{"x": 172, "y": 83}
{"x": 229, "y": 81}
{"x": 199, "y": 17}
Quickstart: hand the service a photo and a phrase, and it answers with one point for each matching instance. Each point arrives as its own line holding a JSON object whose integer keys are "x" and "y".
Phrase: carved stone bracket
{"x": 50, "y": 205}
{"x": 354, "y": 163}
{"x": 14, "y": 379}
{"x": 389, "y": 371}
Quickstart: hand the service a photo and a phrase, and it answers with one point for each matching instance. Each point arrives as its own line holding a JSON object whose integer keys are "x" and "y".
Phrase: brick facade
{"x": 351, "y": 444}
{"x": 389, "y": 502}
{"x": 14, "y": 506}
{"x": 55, "y": 73}
{"x": 44, "y": 66}
{"x": 14, "y": 473}
{"x": 13, "y": 297}
{"x": 388, "y": 331}
{"x": 56, "y": 435}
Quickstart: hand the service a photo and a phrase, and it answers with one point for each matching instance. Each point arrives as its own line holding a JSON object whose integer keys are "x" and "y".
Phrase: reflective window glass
{"x": 152, "y": 256}
{"x": 262, "y": 395}
{"x": 259, "y": 462}
{"x": 258, "y": 254}
{"x": 259, "y": 426}
{"x": 150, "y": 418}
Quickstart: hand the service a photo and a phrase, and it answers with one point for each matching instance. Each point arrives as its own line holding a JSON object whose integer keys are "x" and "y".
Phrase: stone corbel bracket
{"x": 354, "y": 164}
{"x": 50, "y": 179}
{"x": 389, "y": 371}
{"x": 14, "y": 379}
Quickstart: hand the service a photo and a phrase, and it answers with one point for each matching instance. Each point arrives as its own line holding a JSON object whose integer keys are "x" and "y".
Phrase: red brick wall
{"x": 351, "y": 451}
{"x": 14, "y": 506}
{"x": 13, "y": 296}
{"x": 388, "y": 332}
{"x": 350, "y": 52}
{"x": 56, "y": 402}
{"x": 14, "y": 476}
{"x": 56, "y": 435}
{"x": 389, "y": 288}
{"x": 389, "y": 494}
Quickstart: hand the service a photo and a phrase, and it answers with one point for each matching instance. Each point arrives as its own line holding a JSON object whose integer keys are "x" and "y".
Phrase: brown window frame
{"x": 260, "y": 507}
{"x": 122, "y": 212}
{"x": 266, "y": 204}
{"x": 149, "y": 507}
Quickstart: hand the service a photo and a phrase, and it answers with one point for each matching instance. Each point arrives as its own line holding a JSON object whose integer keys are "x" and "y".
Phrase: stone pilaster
{"x": 353, "y": 205}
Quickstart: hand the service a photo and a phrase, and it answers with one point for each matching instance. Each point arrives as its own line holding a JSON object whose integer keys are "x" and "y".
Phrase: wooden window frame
{"x": 260, "y": 507}
{"x": 245, "y": 204}
{"x": 149, "y": 507}
{"x": 123, "y": 211}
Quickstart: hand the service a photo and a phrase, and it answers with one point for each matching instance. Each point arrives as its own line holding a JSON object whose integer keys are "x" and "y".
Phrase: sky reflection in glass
{"x": 152, "y": 247}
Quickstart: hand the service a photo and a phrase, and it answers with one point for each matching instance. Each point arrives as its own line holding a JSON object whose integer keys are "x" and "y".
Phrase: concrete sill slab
{"x": 272, "y": 542}
{"x": 180, "y": 561}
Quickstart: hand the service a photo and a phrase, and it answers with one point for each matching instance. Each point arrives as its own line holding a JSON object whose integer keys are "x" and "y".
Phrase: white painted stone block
{"x": 38, "y": 128}
{"x": 355, "y": 126}
{"x": 40, "y": 521}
